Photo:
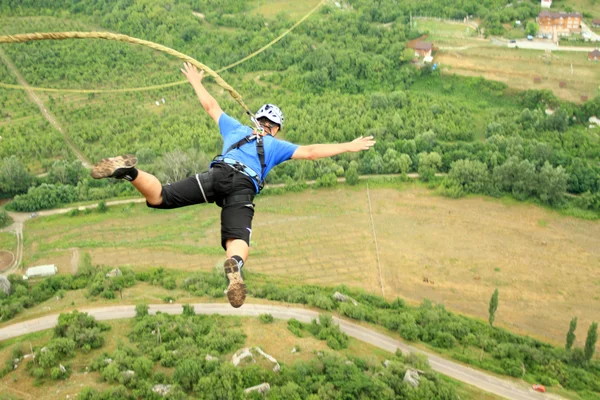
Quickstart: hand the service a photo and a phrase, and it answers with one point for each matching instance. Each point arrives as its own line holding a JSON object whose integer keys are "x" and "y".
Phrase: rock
{"x": 263, "y": 388}
{"x": 67, "y": 397}
{"x": 129, "y": 373}
{"x": 240, "y": 355}
{"x": 277, "y": 367}
{"x": 348, "y": 362}
{"x": 4, "y": 285}
{"x": 62, "y": 368}
{"x": 162, "y": 390}
{"x": 108, "y": 360}
{"x": 294, "y": 350}
{"x": 412, "y": 377}
{"x": 210, "y": 358}
{"x": 343, "y": 298}
{"x": 386, "y": 363}
{"x": 44, "y": 349}
{"x": 114, "y": 273}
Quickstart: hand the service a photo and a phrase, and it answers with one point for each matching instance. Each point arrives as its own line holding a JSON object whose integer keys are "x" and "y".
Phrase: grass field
{"x": 275, "y": 339}
{"x": 290, "y": 8}
{"x": 460, "y": 53}
{"x": 467, "y": 247}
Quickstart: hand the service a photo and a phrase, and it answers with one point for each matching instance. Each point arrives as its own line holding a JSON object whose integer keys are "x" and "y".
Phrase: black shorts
{"x": 221, "y": 182}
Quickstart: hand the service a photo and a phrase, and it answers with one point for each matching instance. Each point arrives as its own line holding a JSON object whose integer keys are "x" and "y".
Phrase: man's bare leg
{"x": 237, "y": 250}
{"x": 237, "y": 247}
{"x": 123, "y": 167}
{"x": 150, "y": 187}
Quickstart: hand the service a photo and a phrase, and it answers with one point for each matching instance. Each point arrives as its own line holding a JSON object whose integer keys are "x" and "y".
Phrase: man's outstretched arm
{"x": 208, "y": 102}
{"x": 316, "y": 151}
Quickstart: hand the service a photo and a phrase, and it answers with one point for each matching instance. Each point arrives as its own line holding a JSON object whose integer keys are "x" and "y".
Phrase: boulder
{"x": 343, "y": 298}
{"x": 263, "y": 388}
{"x": 412, "y": 377}
{"x": 162, "y": 390}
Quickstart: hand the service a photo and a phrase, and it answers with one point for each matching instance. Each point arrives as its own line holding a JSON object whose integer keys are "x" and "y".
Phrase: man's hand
{"x": 361, "y": 143}
{"x": 191, "y": 73}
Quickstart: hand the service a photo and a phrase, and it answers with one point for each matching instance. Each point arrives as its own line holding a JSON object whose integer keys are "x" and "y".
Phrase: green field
{"x": 467, "y": 247}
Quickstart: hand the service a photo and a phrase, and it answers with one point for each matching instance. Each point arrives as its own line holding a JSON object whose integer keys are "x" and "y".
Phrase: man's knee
{"x": 158, "y": 201}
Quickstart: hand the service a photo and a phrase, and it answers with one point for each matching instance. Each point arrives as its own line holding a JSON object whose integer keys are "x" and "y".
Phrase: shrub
{"x": 266, "y": 318}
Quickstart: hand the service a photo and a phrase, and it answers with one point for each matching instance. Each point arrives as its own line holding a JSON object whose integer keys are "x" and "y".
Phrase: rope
{"x": 166, "y": 85}
{"x": 27, "y": 37}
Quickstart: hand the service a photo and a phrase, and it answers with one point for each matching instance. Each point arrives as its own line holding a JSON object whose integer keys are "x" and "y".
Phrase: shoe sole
{"x": 236, "y": 291}
{"x": 108, "y": 166}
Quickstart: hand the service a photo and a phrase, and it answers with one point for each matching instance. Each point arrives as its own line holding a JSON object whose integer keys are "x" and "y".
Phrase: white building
{"x": 42, "y": 270}
{"x": 546, "y": 3}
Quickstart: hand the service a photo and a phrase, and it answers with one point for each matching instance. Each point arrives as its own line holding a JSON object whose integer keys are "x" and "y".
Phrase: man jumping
{"x": 233, "y": 178}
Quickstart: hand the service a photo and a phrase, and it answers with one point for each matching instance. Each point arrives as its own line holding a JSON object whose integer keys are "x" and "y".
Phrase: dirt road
{"x": 47, "y": 114}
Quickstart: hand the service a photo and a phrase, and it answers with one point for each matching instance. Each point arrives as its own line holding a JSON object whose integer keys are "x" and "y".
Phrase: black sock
{"x": 131, "y": 175}
{"x": 239, "y": 260}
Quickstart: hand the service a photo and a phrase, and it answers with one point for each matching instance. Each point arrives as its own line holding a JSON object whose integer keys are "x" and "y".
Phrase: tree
{"x": 405, "y": 163}
{"x": 352, "y": 175}
{"x": 493, "y": 307}
{"x": 472, "y": 176}
{"x": 571, "y": 334}
{"x": 532, "y": 28}
{"x": 428, "y": 165}
{"x": 14, "y": 178}
{"x": 590, "y": 341}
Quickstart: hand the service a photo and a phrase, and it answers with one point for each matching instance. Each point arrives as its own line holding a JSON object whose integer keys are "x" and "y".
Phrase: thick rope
{"x": 166, "y": 85}
{"x": 27, "y": 37}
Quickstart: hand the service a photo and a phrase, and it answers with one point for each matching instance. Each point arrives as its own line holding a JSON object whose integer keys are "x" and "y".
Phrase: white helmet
{"x": 272, "y": 113}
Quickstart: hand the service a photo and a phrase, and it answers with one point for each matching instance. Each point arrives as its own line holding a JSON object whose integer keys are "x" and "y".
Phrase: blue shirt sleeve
{"x": 284, "y": 151}
{"x": 228, "y": 124}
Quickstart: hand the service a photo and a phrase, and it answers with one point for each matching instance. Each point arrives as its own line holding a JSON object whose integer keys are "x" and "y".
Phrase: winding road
{"x": 517, "y": 390}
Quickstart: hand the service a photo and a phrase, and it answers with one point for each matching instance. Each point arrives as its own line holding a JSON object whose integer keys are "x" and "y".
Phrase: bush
{"x": 295, "y": 327}
{"x": 141, "y": 310}
{"x": 444, "y": 340}
{"x": 266, "y": 318}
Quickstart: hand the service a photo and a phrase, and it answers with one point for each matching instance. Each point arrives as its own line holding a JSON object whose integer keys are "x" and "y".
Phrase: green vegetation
{"x": 74, "y": 332}
{"x": 493, "y": 307}
{"x": 464, "y": 339}
{"x": 412, "y": 113}
{"x": 571, "y": 334}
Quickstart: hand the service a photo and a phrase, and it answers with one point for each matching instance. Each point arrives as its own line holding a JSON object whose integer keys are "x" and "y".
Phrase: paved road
{"x": 42, "y": 107}
{"x": 593, "y": 35}
{"x": 540, "y": 44}
{"x": 501, "y": 387}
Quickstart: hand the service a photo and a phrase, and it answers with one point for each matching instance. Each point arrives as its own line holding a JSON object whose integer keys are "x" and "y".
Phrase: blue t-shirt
{"x": 276, "y": 151}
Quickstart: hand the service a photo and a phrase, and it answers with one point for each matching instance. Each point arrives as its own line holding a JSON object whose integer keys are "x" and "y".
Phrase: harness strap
{"x": 260, "y": 150}
{"x": 238, "y": 198}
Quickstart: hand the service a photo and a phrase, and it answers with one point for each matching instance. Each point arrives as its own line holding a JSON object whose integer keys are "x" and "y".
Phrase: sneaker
{"x": 236, "y": 291}
{"x": 117, "y": 167}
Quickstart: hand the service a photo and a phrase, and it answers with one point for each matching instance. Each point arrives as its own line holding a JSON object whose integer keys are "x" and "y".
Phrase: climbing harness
{"x": 256, "y": 137}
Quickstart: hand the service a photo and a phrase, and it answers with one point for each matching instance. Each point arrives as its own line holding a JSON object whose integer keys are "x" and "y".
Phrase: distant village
{"x": 552, "y": 25}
